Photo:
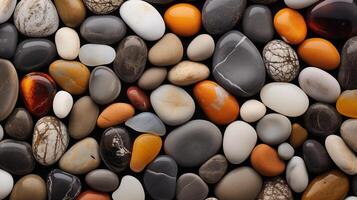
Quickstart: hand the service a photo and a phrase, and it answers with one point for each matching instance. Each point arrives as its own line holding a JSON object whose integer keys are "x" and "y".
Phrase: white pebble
{"x": 351, "y": 198}
{"x": 6, "y": 184}
{"x": 296, "y": 174}
{"x": 62, "y": 104}
{"x": 252, "y": 110}
{"x": 130, "y": 188}
{"x": 67, "y": 43}
{"x": 96, "y": 54}
{"x": 201, "y": 48}
{"x": 285, "y": 151}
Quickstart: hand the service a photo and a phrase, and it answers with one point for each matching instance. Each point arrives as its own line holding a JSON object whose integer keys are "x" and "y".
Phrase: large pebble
{"x": 296, "y": 174}
{"x": 146, "y": 122}
{"x": 67, "y": 43}
{"x": 96, "y": 54}
{"x": 101, "y": 7}
{"x": 129, "y": 188}
{"x": 239, "y": 141}
{"x": 19, "y": 125}
{"x": 187, "y": 73}
{"x": 143, "y": 19}
{"x": 10, "y": 86}
{"x": 71, "y": 12}
{"x": 167, "y": 51}
{"x": 348, "y": 132}
{"x": 6, "y": 184}
{"x": 7, "y": 7}
{"x": 36, "y": 18}
{"x": 347, "y": 70}
{"x": 31, "y": 184}
{"x": 274, "y": 128}
{"x": 62, "y": 104}
{"x": 285, "y": 151}
{"x": 152, "y": 78}
{"x": 294, "y": 4}
{"x": 8, "y": 40}
{"x": 280, "y": 96}
{"x": 191, "y": 187}
{"x": 275, "y": 189}
{"x": 252, "y": 110}
{"x": 102, "y": 180}
{"x": 205, "y": 140}
{"x": 266, "y": 161}
{"x": 316, "y": 157}
{"x": 201, "y": 48}
{"x": 62, "y": 185}
{"x": 213, "y": 169}
{"x": 115, "y": 114}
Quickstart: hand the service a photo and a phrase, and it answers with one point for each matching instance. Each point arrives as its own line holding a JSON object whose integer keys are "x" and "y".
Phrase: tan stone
{"x": 28, "y": 187}
{"x": 71, "y": 12}
{"x": 167, "y": 51}
{"x": 187, "y": 73}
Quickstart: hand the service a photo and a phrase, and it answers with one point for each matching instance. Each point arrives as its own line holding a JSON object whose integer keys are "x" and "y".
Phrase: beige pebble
{"x": 201, "y": 48}
{"x": 152, "y": 78}
{"x": 167, "y": 51}
{"x": 187, "y": 73}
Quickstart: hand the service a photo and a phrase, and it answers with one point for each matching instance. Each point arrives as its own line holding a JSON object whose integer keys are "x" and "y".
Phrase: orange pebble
{"x": 115, "y": 114}
{"x": 183, "y": 19}
{"x": 92, "y": 195}
{"x": 145, "y": 149}
{"x": 219, "y": 106}
{"x": 290, "y": 25}
{"x": 320, "y": 53}
{"x": 347, "y": 103}
{"x": 266, "y": 161}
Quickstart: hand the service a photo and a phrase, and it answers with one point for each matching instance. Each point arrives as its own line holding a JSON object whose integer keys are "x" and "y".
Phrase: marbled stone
{"x": 19, "y": 124}
{"x": 9, "y": 88}
{"x": 316, "y": 157}
{"x": 103, "y": 6}
{"x": 146, "y": 122}
{"x": 31, "y": 184}
{"x": 129, "y": 188}
{"x": 348, "y": 132}
{"x": 8, "y": 40}
{"x": 213, "y": 169}
{"x": 275, "y": 189}
{"x": 67, "y": 43}
{"x": 61, "y": 185}
{"x": 347, "y": 70}
{"x": 191, "y": 187}
{"x": 274, "y": 128}
{"x": 152, "y": 78}
{"x": 296, "y": 174}
{"x": 7, "y": 7}
{"x": 96, "y": 54}
{"x": 71, "y": 12}
{"x": 102, "y": 180}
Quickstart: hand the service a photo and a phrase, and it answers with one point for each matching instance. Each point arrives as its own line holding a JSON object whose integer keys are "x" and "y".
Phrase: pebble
{"x": 329, "y": 186}
{"x": 280, "y": 96}
{"x": 281, "y": 61}
{"x": 93, "y": 195}
{"x": 159, "y": 1}
{"x": 285, "y": 151}
{"x": 319, "y": 53}
{"x": 341, "y": 155}
{"x": 96, "y": 54}
{"x": 299, "y": 4}
{"x": 204, "y": 138}
{"x": 115, "y": 114}
{"x": 346, "y": 103}
{"x": 8, "y": 40}
{"x": 238, "y": 141}
{"x": 191, "y": 187}
{"x": 16, "y": 157}
{"x": 296, "y": 174}
{"x": 346, "y": 69}
{"x": 34, "y": 54}
{"x": 81, "y": 124}
{"x": 71, "y": 12}
{"x": 183, "y": 19}
{"x": 145, "y": 149}
{"x": 67, "y": 43}
{"x": 238, "y": 77}
{"x": 214, "y": 10}
{"x": 152, "y": 78}
{"x": 1, "y": 132}
{"x": 258, "y": 23}
{"x": 201, "y": 48}
{"x": 160, "y": 178}
{"x": 246, "y": 179}
{"x": 348, "y": 133}
{"x": 219, "y": 106}
{"x": 72, "y": 76}
{"x": 187, "y": 73}
{"x": 50, "y": 140}
{"x": 105, "y": 29}
{"x": 265, "y": 160}
{"x": 19, "y": 125}
{"x": 322, "y": 120}
{"x": 104, "y": 85}
{"x": 147, "y": 122}
{"x": 38, "y": 90}
{"x": 319, "y": 85}
{"x": 143, "y": 19}
{"x": 298, "y": 135}
{"x": 354, "y": 185}
{"x": 37, "y": 18}
{"x": 31, "y": 184}
{"x": 252, "y": 110}
{"x": 167, "y": 51}
{"x": 130, "y": 188}
{"x": 172, "y": 104}
{"x": 273, "y": 129}
{"x": 7, "y": 7}
{"x": 115, "y": 148}
{"x": 130, "y": 60}
{"x": 290, "y": 25}
{"x": 101, "y": 7}
{"x": 6, "y": 184}
{"x": 61, "y": 185}
{"x": 62, "y": 104}
{"x": 138, "y": 98}
{"x": 275, "y": 189}
{"x": 264, "y": 1}
{"x": 102, "y": 180}
{"x": 351, "y": 198}
{"x": 316, "y": 157}
{"x": 213, "y": 169}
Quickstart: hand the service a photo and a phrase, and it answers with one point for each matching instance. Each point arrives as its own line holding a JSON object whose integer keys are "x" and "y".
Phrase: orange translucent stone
{"x": 115, "y": 114}
{"x": 320, "y": 53}
{"x": 183, "y": 19}
{"x": 347, "y": 103}
{"x": 92, "y": 195}
{"x": 145, "y": 149}
{"x": 219, "y": 106}
{"x": 290, "y": 25}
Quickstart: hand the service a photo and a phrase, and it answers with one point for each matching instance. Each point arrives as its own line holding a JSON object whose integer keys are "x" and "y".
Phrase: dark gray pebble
{"x": 347, "y": 72}
{"x": 191, "y": 187}
{"x": 19, "y": 125}
{"x": 102, "y": 180}
{"x": 8, "y": 40}
{"x": 214, "y": 169}
{"x": 316, "y": 157}
{"x": 62, "y": 185}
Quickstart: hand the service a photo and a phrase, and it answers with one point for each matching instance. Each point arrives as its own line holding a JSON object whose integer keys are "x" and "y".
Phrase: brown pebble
{"x": 71, "y": 12}
{"x": 138, "y": 98}
{"x": 29, "y": 187}
{"x": 115, "y": 114}
{"x": 298, "y": 135}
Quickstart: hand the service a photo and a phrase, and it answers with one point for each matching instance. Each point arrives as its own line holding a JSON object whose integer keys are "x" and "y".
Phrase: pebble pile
{"x": 185, "y": 100}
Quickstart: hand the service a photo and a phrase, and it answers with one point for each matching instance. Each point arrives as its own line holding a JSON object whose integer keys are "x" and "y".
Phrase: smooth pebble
{"x": 129, "y": 188}
{"x": 296, "y": 174}
{"x": 201, "y": 48}
{"x": 285, "y": 151}
{"x": 6, "y": 184}
{"x": 96, "y": 54}
{"x": 147, "y": 122}
{"x": 252, "y": 110}
{"x": 62, "y": 104}
{"x": 273, "y": 128}
{"x": 67, "y": 43}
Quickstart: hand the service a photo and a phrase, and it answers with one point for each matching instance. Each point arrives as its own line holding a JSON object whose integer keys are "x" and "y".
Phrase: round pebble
{"x": 62, "y": 104}
{"x": 201, "y": 48}
{"x": 6, "y": 183}
{"x": 102, "y": 180}
{"x": 191, "y": 187}
{"x": 19, "y": 125}
{"x": 273, "y": 129}
{"x": 285, "y": 151}
{"x": 252, "y": 110}
{"x": 152, "y": 78}
{"x": 138, "y": 98}
{"x": 187, "y": 73}
{"x": 67, "y": 43}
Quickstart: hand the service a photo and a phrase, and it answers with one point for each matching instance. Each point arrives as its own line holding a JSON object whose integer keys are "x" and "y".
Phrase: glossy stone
{"x": 19, "y": 124}
{"x": 38, "y": 90}
{"x": 152, "y": 78}
{"x": 93, "y": 195}
{"x": 9, "y": 88}
{"x": 115, "y": 148}
{"x": 129, "y": 188}
{"x": 346, "y": 103}
{"x": 316, "y": 157}
{"x": 167, "y": 51}
{"x": 213, "y": 169}
{"x": 275, "y": 189}
{"x": 71, "y": 12}
{"x": 266, "y": 161}
{"x": 242, "y": 73}
{"x": 31, "y": 184}
{"x": 115, "y": 114}
{"x": 16, "y": 157}
{"x": 273, "y": 129}
{"x": 102, "y": 180}
{"x": 348, "y": 133}
{"x": 61, "y": 185}
{"x": 102, "y": 6}
{"x": 130, "y": 59}
{"x": 191, "y": 187}
{"x": 147, "y": 122}
{"x": 105, "y": 29}
{"x": 7, "y": 7}
{"x": 8, "y": 40}
{"x": 138, "y": 98}
{"x": 347, "y": 68}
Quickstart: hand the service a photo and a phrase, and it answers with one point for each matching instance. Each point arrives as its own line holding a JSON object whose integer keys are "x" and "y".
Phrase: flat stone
{"x": 7, "y": 7}
{"x": 105, "y": 29}
{"x": 10, "y": 86}
{"x": 130, "y": 60}
{"x": 213, "y": 169}
{"x": 19, "y": 124}
{"x": 237, "y": 64}
{"x": 348, "y": 132}
{"x": 191, "y": 187}
{"x": 61, "y": 185}
{"x": 201, "y": 48}
{"x": 62, "y": 104}
{"x": 102, "y": 7}
{"x": 31, "y": 184}
{"x": 152, "y": 78}
{"x": 16, "y": 157}
{"x": 347, "y": 70}
{"x": 252, "y": 110}
{"x": 167, "y": 51}
{"x": 285, "y": 151}
{"x": 274, "y": 128}
{"x": 71, "y": 12}
{"x": 96, "y": 54}
{"x": 296, "y": 174}
{"x": 67, "y": 43}
{"x": 275, "y": 189}
{"x": 138, "y": 98}
{"x": 6, "y": 184}
{"x": 8, "y": 39}
{"x": 129, "y": 188}
{"x": 102, "y": 180}
{"x": 316, "y": 157}
{"x": 147, "y": 122}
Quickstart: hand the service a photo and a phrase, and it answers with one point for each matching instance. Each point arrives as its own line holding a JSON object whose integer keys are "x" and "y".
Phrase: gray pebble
{"x": 9, "y": 82}
{"x": 147, "y": 122}
{"x": 191, "y": 187}
{"x": 285, "y": 151}
{"x": 214, "y": 169}
{"x": 316, "y": 157}
{"x": 8, "y": 40}
{"x": 274, "y": 128}
{"x": 348, "y": 132}
{"x": 102, "y": 180}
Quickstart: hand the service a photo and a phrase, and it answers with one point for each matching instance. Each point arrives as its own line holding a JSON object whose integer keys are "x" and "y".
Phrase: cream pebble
{"x": 67, "y": 43}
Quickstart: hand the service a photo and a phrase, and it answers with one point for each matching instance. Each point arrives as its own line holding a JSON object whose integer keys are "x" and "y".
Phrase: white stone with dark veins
{"x": 281, "y": 61}
{"x": 102, "y": 6}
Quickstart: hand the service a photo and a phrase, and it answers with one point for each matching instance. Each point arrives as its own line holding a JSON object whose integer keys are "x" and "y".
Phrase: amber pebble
{"x": 266, "y": 161}
{"x": 290, "y": 25}
{"x": 320, "y": 53}
{"x": 145, "y": 149}
{"x": 72, "y": 76}
{"x": 115, "y": 114}
{"x": 298, "y": 135}
{"x": 138, "y": 98}
{"x": 219, "y": 106}
{"x": 38, "y": 90}
{"x": 71, "y": 12}
{"x": 347, "y": 103}
{"x": 93, "y": 195}
{"x": 332, "y": 185}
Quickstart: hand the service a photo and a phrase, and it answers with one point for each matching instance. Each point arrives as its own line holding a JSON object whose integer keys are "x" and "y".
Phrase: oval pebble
{"x": 201, "y": 48}
{"x": 152, "y": 78}
{"x": 299, "y": 4}
{"x": 191, "y": 187}
{"x": 115, "y": 114}
{"x": 102, "y": 180}
{"x": 348, "y": 133}
{"x": 129, "y": 188}
{"x": 10, "y": 86}
{"x": 167, "y": 51}
{"x": 29, "y": 184}
{"x": 147, "y": 122}
{"x": 96, "y": 54}
{"x": 8, "y": 40}
{"x": 346, "y": 103}
{"x": 213, "y": 169}
{"x": 138, "y": 98}
{"x": 6, "y": 184}
{"x": 62, "y": 104}
{"x": 274, "y": 128}
{"x": 71, "y": 12}
{"x": 296, "y": 174}
{"x": 252, "y": 110}
{"x": 7, "y": 7}
{"x": 316, "y": 157}
{"x": 285, "y": 151}
{"x": 187, "y": 73}
{"x": 266, "y": 161}
{"x": 67, "y": 43}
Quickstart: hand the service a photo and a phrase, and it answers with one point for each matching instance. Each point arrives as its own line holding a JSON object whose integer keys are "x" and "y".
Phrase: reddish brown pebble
{"x": 92, "y": 195}
{"x": 138, "y": 98}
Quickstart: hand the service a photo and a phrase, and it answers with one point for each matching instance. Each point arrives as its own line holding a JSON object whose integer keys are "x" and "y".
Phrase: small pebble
{"x": 213, "y": 169}
{"x": 285, "y": 151}
{"x": 138, "y": 98}
{"x": 266, "y": 161}
{"x": 62, "y": 104}
{"x": 346, "y": 103}
{"x": 103, "y": 6}
{"x": 296, "y": 174}
{"x": 152, "y": 78}
{"x": 275, "y": 189}
{"x": 316, "y": 157}
{"x": 6, "y": 9}
{"x": 187, "y": 73}
{"x": 147, "y": 122}
{"x": 115, "y": 114}
{"x": 273, "y": 129}
{"x": 102, "y": 180}
{"x": 201, "y": 48}
{"x": 19, "y": 125}
{"x": 348, "y": 133}
{"x": 96, "y": 54}
{"x": 71, "y": 12}
{"x": 6, "y": 184}
{"x": 67, "y": 43}
{"x": 129, "y": 188}
{"x": 298, "y": 135}
{"x": 167, "y": 51}
{"x": 252, "y": 110}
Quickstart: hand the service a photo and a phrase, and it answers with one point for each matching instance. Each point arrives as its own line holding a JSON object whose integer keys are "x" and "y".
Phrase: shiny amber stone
{"x": 347, "y": 103}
